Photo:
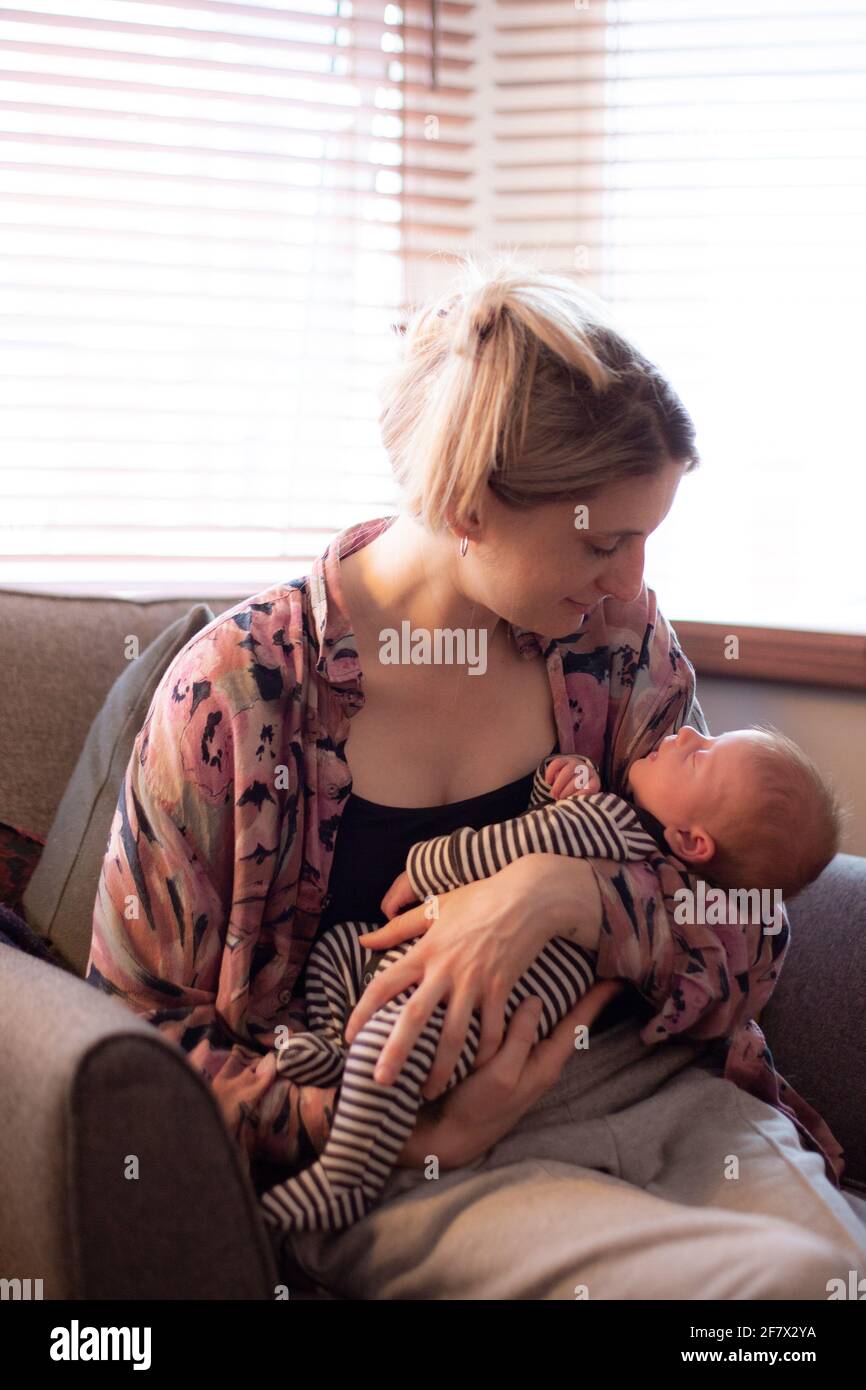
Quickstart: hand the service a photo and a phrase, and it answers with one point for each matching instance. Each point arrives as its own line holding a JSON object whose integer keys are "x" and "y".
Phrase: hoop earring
{"x": 464, "y": 545}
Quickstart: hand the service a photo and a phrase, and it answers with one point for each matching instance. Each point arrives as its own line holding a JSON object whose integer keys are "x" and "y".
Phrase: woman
{"x": 286, "y": 766}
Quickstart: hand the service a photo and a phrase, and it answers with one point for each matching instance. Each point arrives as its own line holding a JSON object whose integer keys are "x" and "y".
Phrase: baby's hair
{"x": 783, "y": 829}
{"x": 516, "y": 379}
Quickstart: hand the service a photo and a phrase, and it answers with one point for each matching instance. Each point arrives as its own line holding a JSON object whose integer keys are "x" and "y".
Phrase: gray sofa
{"x": 84, "y": 1078}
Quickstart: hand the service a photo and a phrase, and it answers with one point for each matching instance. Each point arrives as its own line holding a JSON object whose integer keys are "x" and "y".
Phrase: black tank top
{"x": 373, "y": 842}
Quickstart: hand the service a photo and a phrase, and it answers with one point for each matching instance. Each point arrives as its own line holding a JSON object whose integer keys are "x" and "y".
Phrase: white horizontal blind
{"x": 209, "y": 213}
{"x": 703, "y": 164}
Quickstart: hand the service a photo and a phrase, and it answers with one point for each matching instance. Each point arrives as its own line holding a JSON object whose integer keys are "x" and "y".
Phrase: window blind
{"x": 209, "y": 216}
{"x": 703, "y": 166}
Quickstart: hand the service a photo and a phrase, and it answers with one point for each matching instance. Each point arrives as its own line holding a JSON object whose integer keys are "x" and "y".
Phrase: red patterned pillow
{"x": 19, "y": 855}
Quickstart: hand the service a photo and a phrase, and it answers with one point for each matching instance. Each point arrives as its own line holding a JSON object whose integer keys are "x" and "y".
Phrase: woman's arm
{"x": 706, "y": 981}
{"x": 489, "y": 1102}
{"x": 484, "y": 937}
{"x": 160, "y": 926}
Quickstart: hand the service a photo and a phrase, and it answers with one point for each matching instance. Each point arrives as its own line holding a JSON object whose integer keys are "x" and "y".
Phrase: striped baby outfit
{"x": 373, "y": 1122}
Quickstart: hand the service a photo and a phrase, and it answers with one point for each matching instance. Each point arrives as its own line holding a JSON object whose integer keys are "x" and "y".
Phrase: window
{"x": 213, "y": 214}
{"x": 703, "y": 165}
{"x": 208, "y": 214}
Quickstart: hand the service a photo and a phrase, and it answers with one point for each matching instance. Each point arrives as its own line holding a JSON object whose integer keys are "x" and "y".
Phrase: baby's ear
{"x": 675, "y": 842}
{"x": 691, "y": 849}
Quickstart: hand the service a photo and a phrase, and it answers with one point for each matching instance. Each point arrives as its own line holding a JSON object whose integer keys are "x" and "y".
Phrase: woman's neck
{"x": 408, "y": 574}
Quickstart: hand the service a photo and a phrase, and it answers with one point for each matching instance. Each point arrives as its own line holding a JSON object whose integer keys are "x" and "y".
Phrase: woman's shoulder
{"x": 259, "y": 639}
{"x": 224, "y": 704}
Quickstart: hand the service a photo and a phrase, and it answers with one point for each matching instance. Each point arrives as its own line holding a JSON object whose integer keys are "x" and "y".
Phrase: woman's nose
{"x": 624, "y": 576}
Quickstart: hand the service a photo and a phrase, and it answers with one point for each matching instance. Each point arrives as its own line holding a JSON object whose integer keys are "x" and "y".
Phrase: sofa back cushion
{"x": 61, "y": 655}
{"x": 58, "y": 902}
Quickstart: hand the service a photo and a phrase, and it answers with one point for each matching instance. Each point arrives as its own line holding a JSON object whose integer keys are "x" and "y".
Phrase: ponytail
{"x": 498, "y": 387}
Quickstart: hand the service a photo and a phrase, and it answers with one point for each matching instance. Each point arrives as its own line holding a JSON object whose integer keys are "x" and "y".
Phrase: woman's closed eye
{"x": 598, "y": 550}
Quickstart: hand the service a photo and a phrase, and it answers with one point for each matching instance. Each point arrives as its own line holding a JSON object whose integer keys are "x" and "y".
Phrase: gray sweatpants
{"x": 641, "y": 1174}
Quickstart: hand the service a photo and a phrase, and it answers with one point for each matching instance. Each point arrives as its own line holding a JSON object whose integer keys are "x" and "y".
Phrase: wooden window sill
{"x": 775, "y": 654}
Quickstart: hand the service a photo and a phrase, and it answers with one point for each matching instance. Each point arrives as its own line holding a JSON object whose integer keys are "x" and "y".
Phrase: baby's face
{"x": 685, "y": 780}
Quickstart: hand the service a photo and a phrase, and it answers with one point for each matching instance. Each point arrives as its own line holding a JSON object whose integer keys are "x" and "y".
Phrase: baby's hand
{"x": 398, "y": 896}
{"x": 570, "y": 775}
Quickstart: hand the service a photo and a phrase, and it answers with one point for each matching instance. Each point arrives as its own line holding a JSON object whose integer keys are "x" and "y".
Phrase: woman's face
{"x": 527, "y": 565}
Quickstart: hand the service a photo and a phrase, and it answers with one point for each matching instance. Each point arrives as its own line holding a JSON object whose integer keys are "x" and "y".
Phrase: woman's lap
{"x": 719, "y": 1146}
{"x": 640, "y": 1174}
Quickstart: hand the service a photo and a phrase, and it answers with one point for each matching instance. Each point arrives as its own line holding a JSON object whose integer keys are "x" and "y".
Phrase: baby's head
{"x": 745, "y": 809}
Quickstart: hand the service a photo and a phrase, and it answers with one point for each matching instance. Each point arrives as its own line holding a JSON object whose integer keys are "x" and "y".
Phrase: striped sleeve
{"x": 600, "y": 824}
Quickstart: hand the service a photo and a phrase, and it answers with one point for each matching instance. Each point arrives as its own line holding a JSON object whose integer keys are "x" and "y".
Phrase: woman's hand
{"x": 480, "y": 1110}
{"x": 481, "y": 939}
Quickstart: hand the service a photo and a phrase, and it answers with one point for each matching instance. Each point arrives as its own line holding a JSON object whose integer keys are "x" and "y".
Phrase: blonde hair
{"x": 516, "y": 379}
{"x": 783, "y": 829}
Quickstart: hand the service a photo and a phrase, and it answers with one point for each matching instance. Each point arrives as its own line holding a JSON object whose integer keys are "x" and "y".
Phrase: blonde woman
{"x": 289, "y": 760}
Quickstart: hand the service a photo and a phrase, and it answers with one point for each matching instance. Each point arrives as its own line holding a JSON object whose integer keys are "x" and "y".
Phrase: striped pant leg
{"x": 373, "y": 1122}
{"x": 335, "y": 972}
{"x": 371, "y": 1125}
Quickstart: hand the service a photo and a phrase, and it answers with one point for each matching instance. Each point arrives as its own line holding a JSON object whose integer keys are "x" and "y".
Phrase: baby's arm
{"x": 579, "y": 827}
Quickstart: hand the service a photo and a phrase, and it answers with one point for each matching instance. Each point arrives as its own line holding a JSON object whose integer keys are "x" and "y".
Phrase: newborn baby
{"x": 724, "y": 806}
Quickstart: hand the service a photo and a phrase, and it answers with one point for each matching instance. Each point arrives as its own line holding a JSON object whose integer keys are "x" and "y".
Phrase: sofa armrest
{"x": 91, "y": 1094}
{"x": 815, "y": 1020}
